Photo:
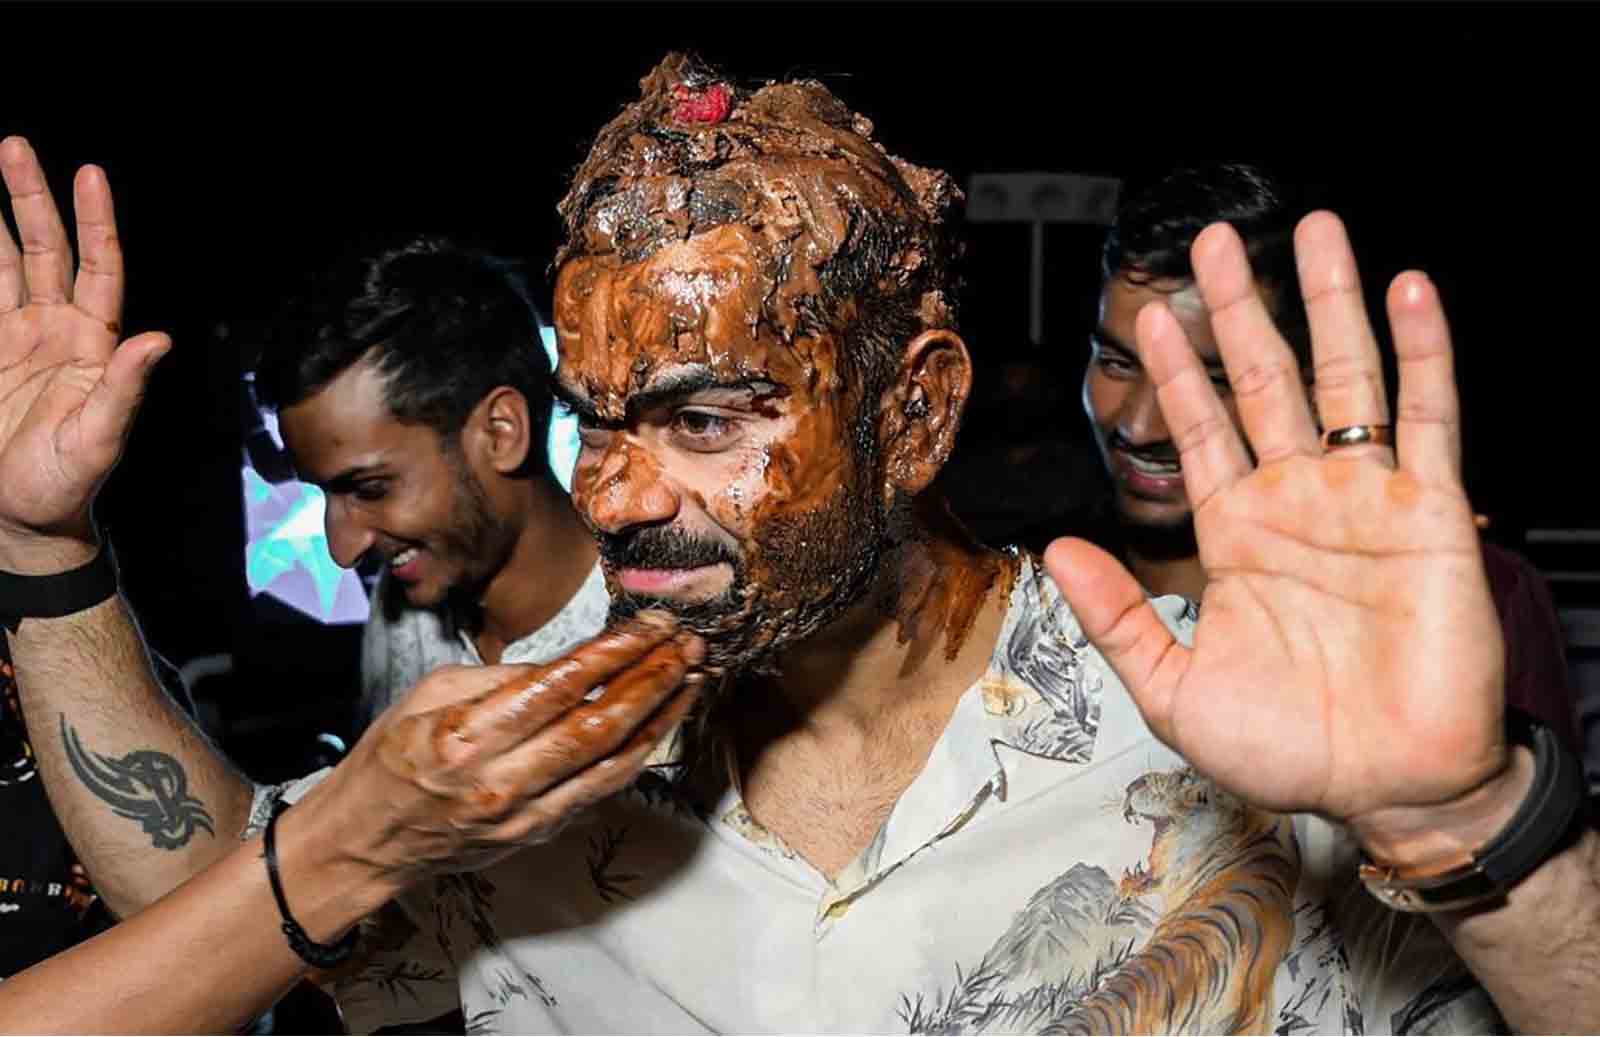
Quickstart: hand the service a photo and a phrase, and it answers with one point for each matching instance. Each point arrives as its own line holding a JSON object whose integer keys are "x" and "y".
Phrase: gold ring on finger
{"x": 1358, "y": 435}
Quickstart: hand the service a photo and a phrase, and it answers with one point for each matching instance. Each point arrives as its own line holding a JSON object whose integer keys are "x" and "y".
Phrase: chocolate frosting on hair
{"x": 846, "y": 221}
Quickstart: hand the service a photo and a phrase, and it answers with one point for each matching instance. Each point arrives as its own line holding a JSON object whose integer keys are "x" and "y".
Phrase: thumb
{"x": 109, "y": 409}
{"x": 1118, "y": 618}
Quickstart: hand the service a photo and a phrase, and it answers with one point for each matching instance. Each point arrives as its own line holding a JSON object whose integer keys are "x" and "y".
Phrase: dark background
{"x": 245, "y": 143}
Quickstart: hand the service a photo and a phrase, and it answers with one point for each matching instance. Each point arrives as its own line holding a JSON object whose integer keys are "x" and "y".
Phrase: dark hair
{"x": 1157, "y": 225}
{"x": 445, "y": 325}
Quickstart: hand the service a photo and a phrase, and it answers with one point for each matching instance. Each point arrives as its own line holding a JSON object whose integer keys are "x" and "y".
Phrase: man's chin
{"x": 743, "y": 631}
{"x": 724, "y": 623}
{"x": 1145, "y": 513}
{"x": 1157, "y": 534}
{"x": 423, "y": 594}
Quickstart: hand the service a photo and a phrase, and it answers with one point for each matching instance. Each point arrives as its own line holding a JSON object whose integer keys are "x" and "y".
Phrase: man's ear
{"x": 500, "y": 430}
{"x": 921, "y": 411}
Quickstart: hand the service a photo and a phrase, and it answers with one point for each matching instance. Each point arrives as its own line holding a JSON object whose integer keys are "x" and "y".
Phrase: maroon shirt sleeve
{"x": 1537, "y": 679}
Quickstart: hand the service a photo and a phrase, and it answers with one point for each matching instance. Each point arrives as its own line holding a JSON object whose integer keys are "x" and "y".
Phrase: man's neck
{"x": 826, "y": 752}
{"x": 1184, "y": 575}
{"x": 552, "y": 557}
{"x": 917, "y": 640}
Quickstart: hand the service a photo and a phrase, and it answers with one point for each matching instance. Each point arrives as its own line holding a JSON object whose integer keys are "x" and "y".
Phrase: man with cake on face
{"x": 922, "y": 792}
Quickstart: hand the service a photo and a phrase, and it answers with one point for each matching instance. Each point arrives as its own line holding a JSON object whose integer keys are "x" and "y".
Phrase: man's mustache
{"x": 662, "y": 547}
{"x": 1163, "y": 452}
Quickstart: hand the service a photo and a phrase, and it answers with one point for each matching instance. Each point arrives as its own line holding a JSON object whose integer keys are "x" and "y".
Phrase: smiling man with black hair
{"x": 411, "y": 385}
{"x": 1150, "y": 523}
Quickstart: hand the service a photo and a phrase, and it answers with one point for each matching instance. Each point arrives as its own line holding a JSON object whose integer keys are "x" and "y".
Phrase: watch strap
{"x": 1545, "y": 818}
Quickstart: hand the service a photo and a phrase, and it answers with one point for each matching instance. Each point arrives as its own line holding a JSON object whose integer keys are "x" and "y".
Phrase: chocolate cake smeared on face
{"x": 761, "y": 237}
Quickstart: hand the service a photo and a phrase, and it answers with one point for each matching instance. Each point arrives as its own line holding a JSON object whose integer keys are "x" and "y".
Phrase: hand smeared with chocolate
{"x": 759, "y": 236}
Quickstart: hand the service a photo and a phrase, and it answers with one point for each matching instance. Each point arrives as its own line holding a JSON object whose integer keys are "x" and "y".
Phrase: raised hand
{"x": 479, "y": 761}
{"x": 68, "y": 390}
{"x": 1347, "y": 659}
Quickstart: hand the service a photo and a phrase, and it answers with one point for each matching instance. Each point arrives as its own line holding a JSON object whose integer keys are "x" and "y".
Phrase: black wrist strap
{"x": 1550, "y": 814}
{"x": 58, "y": 594}
{"x": 318, "y": 955}
{"x": 1546, "y": 816}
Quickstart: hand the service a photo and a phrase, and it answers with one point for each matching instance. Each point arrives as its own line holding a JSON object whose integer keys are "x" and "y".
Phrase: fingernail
{"x": 694, "y": 649}
{"x": 659, "y": 619}
{"x": 1416, "y": 285}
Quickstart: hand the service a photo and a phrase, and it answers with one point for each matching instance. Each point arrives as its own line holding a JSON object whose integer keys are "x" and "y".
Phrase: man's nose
{"x": 348, "y": 539}
{"x": 1140, "y": 420}
{"x": 626, "y": 487}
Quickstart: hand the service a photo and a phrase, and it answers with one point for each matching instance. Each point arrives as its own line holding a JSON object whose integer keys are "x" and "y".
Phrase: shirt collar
{"x": 1043, "y": 688}
{"x": 1041, "y": 693}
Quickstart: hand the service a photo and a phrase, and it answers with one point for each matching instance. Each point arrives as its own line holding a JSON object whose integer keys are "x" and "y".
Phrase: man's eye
{"x": 591, "y": 433}
{"x": 370, "y": 491}
{"x": 1113, "y": 363}
{"x": 700, "y": 430}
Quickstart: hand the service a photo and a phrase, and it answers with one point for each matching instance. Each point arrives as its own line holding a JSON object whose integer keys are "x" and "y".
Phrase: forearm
{"x": 207, "y": 958}
{"x": 1537, "y": 953}
{"x": 143, "y": 795}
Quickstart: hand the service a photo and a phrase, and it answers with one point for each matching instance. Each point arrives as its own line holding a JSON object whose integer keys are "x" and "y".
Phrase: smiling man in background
{"x": 1151, "y": 523}
{"x": 411, "y": 385}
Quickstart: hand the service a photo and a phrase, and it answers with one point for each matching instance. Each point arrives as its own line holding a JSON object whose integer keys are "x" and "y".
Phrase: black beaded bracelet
{"x": 318, "y": 955}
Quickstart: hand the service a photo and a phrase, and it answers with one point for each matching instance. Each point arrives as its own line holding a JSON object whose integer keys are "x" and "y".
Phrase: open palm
{"x": 68, "y": 390}
{"x": 1347, "y": 657}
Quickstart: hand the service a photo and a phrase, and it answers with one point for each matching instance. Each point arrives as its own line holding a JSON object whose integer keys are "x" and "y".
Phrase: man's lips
{"x": 664, "y": 582}
{"x": 1149, "y": 478}
{"x": 406, "y": 565}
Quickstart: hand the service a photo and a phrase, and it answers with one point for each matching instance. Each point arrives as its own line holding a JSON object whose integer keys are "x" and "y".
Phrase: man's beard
{"x": 804, "y": 573}
{"x": 1157, "y": 541}
{"x": 476, "y": 538}
{"x": 476, "y": 535}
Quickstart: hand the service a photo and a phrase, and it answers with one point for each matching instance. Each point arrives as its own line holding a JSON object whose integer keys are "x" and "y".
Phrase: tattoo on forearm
{"x": 144, "y": 786}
